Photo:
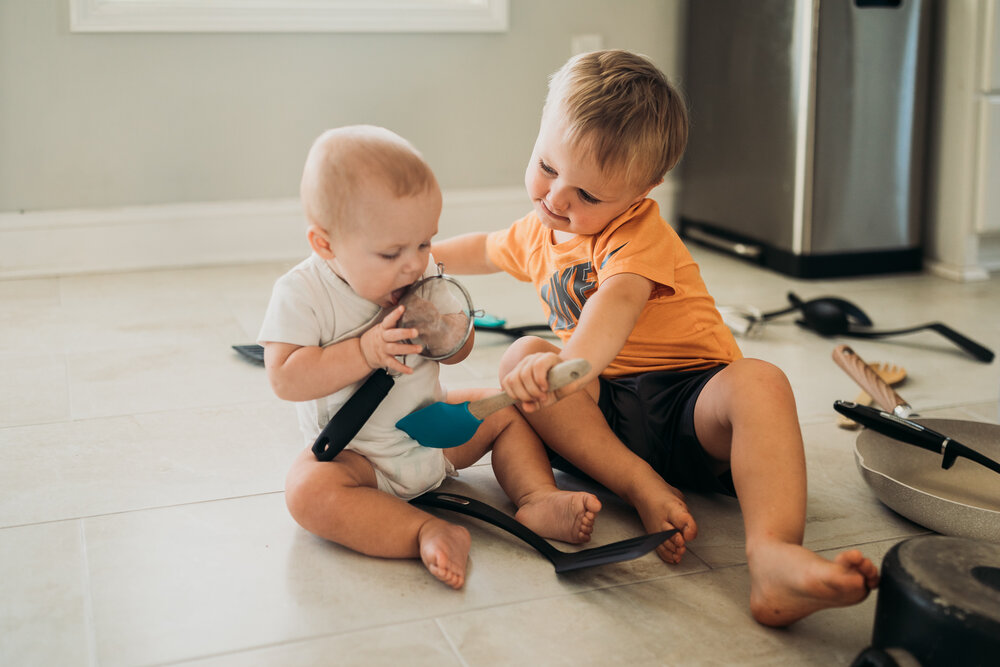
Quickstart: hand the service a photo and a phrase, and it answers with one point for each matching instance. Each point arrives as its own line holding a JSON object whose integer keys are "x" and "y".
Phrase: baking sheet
{"x": 963, "y": 501}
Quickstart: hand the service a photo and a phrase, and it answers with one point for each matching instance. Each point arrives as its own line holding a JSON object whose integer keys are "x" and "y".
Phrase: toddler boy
{"x": 670, "y": 400}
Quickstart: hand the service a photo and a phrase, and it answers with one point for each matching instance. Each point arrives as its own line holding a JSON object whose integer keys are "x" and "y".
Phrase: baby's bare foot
{"x": 789, "y": 582}
{"x": 444, "y": 549}
{"x": 662, "y": 507}
{"x": 567, "y": 516}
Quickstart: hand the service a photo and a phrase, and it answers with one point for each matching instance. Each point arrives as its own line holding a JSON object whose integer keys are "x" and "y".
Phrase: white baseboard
{"x": 987, "y": 260}
{"x": 52, "y": 243}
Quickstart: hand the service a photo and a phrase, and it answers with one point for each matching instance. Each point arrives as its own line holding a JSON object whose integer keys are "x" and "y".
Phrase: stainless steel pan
{"x": 963, "y": 500}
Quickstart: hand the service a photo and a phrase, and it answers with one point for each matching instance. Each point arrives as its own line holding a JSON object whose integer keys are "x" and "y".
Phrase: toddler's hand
{"x": 381, "y": 344}
{"x": 527, "y": 382}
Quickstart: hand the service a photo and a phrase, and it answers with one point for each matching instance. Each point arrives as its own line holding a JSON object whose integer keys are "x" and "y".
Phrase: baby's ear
{"x": 319, "y": 241}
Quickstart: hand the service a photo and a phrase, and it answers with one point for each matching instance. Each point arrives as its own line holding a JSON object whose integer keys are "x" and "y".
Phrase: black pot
{"x": 938, "y": 604}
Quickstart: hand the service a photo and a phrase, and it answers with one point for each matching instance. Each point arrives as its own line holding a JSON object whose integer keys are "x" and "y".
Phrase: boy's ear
{"x": 319, "y": 241}
{"x": 648, "y": 190}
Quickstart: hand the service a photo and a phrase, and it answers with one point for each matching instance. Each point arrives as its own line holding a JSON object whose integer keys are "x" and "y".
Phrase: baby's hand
{"x": 381, "y": 344}
{"x": 527, "y": 382}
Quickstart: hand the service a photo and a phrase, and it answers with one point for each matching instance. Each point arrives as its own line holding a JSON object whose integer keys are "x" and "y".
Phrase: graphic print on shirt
{"x": 567, "y": 291}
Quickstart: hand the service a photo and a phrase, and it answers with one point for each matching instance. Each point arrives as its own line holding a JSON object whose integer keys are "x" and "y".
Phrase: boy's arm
{"x": 464, "y": 254}
{"x": 605, "y": 323}
{"x": 304, "y": 373}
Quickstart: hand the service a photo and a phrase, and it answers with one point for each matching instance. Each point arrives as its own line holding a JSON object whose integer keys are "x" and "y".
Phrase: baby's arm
{"x": 303, "y": 373}
{"x": 605, "y": 323}
{"x": 464, "y": 254}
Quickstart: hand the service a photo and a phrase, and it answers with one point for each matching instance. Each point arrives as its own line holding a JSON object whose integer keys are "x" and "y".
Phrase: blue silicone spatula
{"x": 444, "y": 425}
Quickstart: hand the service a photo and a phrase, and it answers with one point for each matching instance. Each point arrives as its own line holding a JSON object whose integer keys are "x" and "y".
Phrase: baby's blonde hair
{"x": 346, "y": 162}
{"x": 618, "y": 105}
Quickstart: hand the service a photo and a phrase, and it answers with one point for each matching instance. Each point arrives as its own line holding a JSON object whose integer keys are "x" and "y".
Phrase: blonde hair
{"x": 618, "y": 105}
{"x": 347, "y": 162}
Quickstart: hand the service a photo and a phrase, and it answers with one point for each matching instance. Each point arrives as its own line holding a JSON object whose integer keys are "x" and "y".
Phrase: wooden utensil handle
{"x": 559, "y": 376}
{"x": 861, "y": 399}
{"x": 868, "y": 379}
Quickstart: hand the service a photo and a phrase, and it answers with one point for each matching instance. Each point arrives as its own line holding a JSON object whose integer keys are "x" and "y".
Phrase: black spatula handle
{"x": 344, "y": 425}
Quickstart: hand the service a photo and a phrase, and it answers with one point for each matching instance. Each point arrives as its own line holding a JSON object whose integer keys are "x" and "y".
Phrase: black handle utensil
{"x": 824, "y": 313}
{"x": 344, "y": 425}
{"x": 831, "y": 316}
{"x": 978, "y": 351}
{"x": 562, "y": 560}
{"x": 912, "y": 433}
{"x": 515, "y": 331}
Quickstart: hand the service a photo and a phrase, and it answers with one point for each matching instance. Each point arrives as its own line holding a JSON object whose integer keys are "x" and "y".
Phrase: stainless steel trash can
{"x": 806, "y": 150}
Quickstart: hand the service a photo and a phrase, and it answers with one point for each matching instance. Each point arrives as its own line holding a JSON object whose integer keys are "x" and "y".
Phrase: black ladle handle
{"x": 513, "y": 332}
{"x": 972, "y": 347}
{"x": 776, "y": 313}
{"x": 344, "y": 425}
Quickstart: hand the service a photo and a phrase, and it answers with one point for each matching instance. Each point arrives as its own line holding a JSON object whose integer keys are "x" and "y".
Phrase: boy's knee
{"x": 521, "y": 348}
{"x": 758, "y": 375}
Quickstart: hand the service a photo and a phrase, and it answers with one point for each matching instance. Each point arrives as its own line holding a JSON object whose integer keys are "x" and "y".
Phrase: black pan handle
{"x": 344, "y": 425}
{"x": 895, "y": 427}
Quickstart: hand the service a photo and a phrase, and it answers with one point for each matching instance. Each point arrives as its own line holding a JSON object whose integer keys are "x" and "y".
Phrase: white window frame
{"x": 288, "y": 15}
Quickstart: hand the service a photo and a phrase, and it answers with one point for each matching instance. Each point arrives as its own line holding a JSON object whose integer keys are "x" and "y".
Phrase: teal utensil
{"x": 444, "y": 425}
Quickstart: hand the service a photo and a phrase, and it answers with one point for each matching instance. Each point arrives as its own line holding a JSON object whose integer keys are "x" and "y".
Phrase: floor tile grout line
{"x": 140, "y": 509}
{"x": 451, "y": 642}
{"x": 90, "y": 623}
{"x": 436, "y": 619}
{"x": 129, "y": 415}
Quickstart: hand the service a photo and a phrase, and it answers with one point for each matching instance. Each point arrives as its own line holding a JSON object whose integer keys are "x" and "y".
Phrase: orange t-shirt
{"x": 678, "y": 329}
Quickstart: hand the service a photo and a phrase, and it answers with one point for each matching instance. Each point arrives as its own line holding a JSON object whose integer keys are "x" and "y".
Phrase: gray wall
{"x": 98, "y": 120}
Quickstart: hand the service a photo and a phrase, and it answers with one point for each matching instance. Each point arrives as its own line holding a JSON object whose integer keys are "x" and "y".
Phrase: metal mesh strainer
{"x": 440, "y": 309}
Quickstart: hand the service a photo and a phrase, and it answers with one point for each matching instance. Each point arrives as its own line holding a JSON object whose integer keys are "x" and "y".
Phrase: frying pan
{"x": 962, "y": 501}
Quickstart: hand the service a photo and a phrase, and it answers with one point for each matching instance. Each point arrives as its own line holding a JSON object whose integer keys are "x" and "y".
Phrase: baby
{"x": 372, "y": 205}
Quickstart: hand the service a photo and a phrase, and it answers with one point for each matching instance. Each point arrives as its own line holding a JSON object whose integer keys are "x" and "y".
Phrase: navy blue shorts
{"x": 653, "y": 414}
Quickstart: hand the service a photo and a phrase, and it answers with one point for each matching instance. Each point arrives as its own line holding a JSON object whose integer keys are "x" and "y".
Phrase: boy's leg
{"x": 339, "y": 501}
{"x": 576, "y": 429}
{"x": 745, "y": 415}
{"x": 523, "y": 471}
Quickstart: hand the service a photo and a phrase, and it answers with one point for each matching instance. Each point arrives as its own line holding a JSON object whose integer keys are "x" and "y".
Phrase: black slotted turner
{"x": 562, "y": 560}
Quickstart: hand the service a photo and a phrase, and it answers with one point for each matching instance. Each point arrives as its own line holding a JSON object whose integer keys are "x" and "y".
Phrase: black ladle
{"x": 831, "y": 311}
{"x": 828, "y": 316}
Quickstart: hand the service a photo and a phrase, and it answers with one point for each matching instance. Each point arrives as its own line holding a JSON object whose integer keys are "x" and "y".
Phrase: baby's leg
{"x": 523, "y": 471}
{"x": 339, "y": 501}
{"x": 576, "y": 429}
{"x": 746, "y": 415}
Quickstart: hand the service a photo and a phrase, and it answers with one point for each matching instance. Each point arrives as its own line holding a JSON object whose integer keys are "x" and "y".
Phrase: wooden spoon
{"x": 891, "y": 374}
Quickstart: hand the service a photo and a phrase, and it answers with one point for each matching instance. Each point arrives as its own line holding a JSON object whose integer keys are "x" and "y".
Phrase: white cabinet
{"x": 963, "y": 203}
{"x": 991, "y": 73}
{"x": 989, "y": 180}
{"x": 989, "y": 177}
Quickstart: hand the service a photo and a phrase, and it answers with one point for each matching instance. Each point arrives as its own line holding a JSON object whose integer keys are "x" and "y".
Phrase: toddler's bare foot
{"x": 789, "y": 582}
{"x": 662, "y": 507}
{"x": 567, "y": 516}
{"x": 444, "y": 549}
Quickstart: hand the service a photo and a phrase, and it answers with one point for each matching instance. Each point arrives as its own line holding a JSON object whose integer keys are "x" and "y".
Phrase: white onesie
{"x": 312, "y": 305}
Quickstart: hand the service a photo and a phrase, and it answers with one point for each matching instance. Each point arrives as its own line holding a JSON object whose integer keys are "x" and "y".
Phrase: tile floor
{"x": 142, "y": 519}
